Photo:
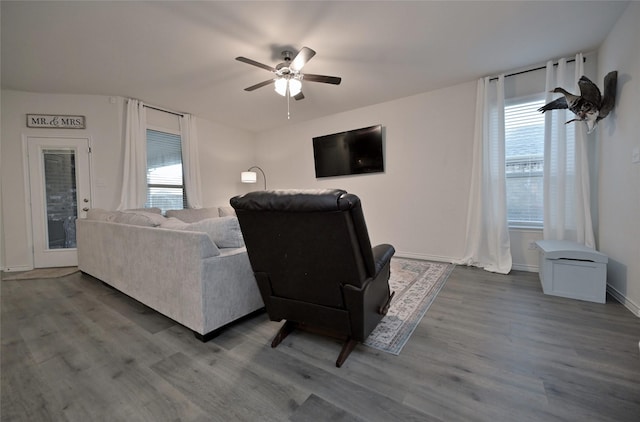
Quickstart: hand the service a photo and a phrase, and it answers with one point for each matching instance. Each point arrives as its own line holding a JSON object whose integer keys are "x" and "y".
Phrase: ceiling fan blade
{"x": 300, "y": 96}
{"x": 255, "y": 63}
{"x": 260, "y": 85}
{"x": 303, "y": 56}
{"x": 322, "y": 78}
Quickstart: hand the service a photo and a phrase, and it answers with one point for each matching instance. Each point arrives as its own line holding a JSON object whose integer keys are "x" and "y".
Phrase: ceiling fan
{"x": 288, "y": 76}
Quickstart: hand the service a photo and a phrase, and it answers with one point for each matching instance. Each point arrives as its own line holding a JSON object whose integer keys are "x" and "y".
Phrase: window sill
{"x": 523, "y": 227}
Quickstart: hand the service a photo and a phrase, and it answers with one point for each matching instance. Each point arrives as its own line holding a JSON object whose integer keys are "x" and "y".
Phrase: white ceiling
{"x": 181, "y": 55}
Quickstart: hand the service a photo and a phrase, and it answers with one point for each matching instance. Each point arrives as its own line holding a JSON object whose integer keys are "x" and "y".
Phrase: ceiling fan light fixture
{"x": 295, "y": 86}
{"x": 281, "y": 86}
{"x": 288, "y": 74}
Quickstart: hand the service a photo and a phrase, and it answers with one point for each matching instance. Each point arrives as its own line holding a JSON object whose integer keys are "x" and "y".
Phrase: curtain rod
{"x": 164, "y": 110}
{"x": 495, "y": 78}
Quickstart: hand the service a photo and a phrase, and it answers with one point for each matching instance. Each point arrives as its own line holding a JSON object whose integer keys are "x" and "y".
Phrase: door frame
{"x": 27, "y": 181}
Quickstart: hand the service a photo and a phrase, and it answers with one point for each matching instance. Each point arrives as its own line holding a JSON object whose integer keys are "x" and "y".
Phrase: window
{"x": 524, "y": 156}
{"x": 165, "y": 182}
{"x": 60, "y": 197}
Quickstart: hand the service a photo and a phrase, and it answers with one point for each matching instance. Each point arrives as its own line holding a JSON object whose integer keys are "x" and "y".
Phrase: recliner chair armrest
{"x": 381, "y": 256}
{"x": 365, "y": 302}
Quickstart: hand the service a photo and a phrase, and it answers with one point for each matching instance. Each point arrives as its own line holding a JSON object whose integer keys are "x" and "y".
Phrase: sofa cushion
{"x": 226, "y": 211}
{"x": 223, "y": 231}
{"x": 100, "y": 214}
{"x": 139, "y": 218}
{"x": 173, "y": 223}
{"x": 191, "y": 215}
{"x": 154, "y": 210}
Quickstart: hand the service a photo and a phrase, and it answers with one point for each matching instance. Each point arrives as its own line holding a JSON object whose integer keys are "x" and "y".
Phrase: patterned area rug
{"x": 40, "y": 273}
{"x": 416, "y": 284}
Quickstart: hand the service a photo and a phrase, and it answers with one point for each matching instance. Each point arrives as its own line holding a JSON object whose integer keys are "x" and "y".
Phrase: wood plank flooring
{"x": 490, "y": 348}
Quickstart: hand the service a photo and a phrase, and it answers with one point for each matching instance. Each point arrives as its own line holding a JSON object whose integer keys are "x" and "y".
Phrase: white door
{"x": 59, "y": 182}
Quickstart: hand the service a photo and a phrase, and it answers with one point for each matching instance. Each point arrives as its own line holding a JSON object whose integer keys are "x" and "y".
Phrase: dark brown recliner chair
{"x": 312, "y": 258}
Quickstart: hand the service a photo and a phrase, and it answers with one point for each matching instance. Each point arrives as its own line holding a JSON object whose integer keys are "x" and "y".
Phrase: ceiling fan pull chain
{"x": 288, "y": 110}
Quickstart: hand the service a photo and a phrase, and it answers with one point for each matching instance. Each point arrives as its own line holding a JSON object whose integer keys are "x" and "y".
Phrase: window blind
{"x": 524, "y": 157}
{"x": 165, "y": 181}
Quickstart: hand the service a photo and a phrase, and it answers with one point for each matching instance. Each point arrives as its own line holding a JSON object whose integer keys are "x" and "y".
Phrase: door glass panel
{"x": 61, "y": 197}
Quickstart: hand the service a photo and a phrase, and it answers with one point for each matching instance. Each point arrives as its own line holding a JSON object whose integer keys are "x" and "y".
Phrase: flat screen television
{"x": 352, "y": 152}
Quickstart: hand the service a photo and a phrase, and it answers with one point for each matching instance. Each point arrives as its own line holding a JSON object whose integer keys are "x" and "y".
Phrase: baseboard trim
{"x": 16, "y": 269}
{"x": 439, "y": 258}
{"x": 423, "y": 257}
{"x": 525, "y": 267}
{"x": 627, "y": 303}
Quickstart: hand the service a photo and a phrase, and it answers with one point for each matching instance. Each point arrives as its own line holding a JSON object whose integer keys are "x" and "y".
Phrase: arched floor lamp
{"x": 252, "y": 177}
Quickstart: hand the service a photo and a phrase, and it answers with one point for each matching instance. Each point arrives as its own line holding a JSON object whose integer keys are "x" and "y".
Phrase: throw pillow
{"x": 173, "y": 223}
{"x": 226, "y": 211}
{"x": 223, "y": 231}
{"x": 191, "y": 215}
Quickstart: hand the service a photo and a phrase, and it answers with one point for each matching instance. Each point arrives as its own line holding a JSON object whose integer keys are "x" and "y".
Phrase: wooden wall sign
{"x": 55, "y": 121}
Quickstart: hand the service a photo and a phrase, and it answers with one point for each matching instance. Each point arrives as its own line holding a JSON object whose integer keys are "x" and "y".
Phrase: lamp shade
{"x": 252, "y": 177}
{"x": 248, "y": 177}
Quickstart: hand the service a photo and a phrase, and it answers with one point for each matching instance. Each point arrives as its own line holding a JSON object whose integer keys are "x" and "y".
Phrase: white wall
{"x": 419, "y": 204}
{"x": 619, "y": 178}
{"x": 224, "y": 153}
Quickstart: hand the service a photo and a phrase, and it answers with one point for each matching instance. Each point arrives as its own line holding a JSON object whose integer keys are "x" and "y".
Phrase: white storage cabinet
{"x": 572, "y": 270}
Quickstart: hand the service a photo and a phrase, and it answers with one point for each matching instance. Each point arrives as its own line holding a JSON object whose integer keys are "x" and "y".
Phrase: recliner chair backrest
{"x": 307, "y": 244}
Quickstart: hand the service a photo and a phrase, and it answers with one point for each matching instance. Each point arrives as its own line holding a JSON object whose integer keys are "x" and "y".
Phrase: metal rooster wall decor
{"x": 590, "y": 106}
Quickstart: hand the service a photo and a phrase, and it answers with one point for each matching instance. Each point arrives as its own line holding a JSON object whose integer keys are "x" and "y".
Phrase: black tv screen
{"x": 352, "y": 152}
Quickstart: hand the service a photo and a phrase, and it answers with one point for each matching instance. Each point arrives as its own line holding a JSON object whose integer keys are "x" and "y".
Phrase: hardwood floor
{"x": 490, "y": 348}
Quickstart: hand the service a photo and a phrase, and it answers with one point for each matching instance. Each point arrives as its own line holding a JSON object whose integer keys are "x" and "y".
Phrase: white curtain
{"x": 488, "y": 245}
{"x": 134, "y": 175}
{"x": 191, "y": 168}
{"x": 567, "y": 212}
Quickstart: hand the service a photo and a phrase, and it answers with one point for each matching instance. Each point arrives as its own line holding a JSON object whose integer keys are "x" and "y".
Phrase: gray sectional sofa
{"x": 191, "y": 266}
